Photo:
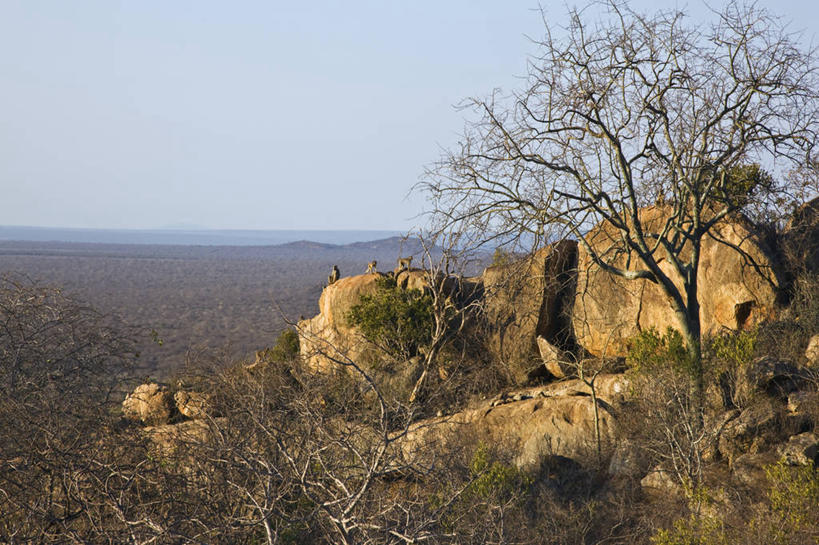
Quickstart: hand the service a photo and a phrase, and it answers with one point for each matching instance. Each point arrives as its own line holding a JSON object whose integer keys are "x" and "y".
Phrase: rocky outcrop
{"x": 768, "y": 376}
{"x": 329, "y": 339}
{"x": 737, "y": 287}
{"x": 329, "y": 336}
{"x": 150, "y": 404}
{"x": 553, "y": 306}
{"x": 530, "y": 299}
{"x": 530, "y": 425}
{"x": 750, "y": 432}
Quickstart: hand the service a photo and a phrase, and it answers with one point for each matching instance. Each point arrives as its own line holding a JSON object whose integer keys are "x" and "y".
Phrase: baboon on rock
{"x": 334, "y": 275}
{"x": 404, "y": 263}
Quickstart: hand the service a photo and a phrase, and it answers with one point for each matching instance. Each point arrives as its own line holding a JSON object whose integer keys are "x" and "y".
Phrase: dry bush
{"x": 59, "y": 367}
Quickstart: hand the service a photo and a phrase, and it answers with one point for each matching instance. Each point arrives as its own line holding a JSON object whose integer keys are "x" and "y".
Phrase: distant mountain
{"x": 305, "y": 245}
{"x": 385, "y": 250}
{"x": 188, "y": 237}
{"x": 411, "y": 245}
{"x": 395, "y": 245}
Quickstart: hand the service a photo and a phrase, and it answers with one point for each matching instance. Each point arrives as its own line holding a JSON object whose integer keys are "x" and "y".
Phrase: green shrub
{"x": 649, "y": 351}
{"x": 735, "y": 349}
{"x": 400, "y": 321}
{"x": 494, "y": 479}
{"x": 728, "y": 355}
{"x": 794, "y": 496}
{"x": 789, "y": 517}
{"x": 286, "y": 347}
{"x": 694, "y": 530}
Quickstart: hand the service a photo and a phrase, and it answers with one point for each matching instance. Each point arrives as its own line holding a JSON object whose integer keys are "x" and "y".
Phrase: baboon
{"x": 371, "y": 266}
{"x": 404, "y": 263}
{"x": 334, "y": 275}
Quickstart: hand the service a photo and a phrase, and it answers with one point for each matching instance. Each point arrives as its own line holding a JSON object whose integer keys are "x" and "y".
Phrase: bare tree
{"x": 298, "y": 456}
{"x": 666, "y": 421}
{"x": 631, "y": 111}
{"x": 456, "y": 301}
{"x": 60, "y": 364}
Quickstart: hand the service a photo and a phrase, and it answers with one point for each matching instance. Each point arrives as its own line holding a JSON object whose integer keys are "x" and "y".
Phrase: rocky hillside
{"x": 565, "y": 375}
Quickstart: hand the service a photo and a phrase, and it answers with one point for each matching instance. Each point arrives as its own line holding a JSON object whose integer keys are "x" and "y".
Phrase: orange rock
{"x": 737, "y": 289}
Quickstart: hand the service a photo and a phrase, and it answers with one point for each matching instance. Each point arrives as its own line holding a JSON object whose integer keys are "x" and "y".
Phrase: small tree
{"x": 667, "y": 415}
{"x": 633, "y": 111}
{"x": 455, "y": 300}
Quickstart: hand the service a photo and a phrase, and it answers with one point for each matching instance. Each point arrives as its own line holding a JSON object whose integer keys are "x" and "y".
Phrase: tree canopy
{"x": 639, "y": 110}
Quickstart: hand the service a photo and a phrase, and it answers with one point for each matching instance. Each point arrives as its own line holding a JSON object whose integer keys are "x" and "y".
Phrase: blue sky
{"x": 248, "y": 115}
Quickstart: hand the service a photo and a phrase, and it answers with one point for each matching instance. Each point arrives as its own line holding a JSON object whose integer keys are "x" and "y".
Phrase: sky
{"x": 147, "y": 114}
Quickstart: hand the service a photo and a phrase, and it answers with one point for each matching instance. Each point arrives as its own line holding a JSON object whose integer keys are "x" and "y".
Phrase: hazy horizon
{"x": 188, "y": 236}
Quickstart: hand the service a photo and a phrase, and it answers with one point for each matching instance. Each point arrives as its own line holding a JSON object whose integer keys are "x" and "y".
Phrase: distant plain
{"x": 232, "y": 297}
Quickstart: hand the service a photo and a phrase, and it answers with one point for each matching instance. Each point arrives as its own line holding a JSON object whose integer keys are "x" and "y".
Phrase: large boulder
{"x": 529, "y": 429}
{"x": 661, "y": 482}
{"x": 170, "y": 440}
{"x": 530, "y": 299}
{"x": 749, "y": 469}
{"x": 737, "y": 283}
{"x": 411, "y": 279}
{"x": 151, "y": 404}
{"x": 555, "y": 360}
{"x": 329, "y": 336}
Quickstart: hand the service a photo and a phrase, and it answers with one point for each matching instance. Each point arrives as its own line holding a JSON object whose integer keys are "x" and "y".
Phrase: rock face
{"x": 528, "y": 299}
{"x": 150, "y": 404}
{"x": 812, "y": 351}
{"x": 801, "y": 449}
{"x": 554, "y": 359}
{"x": 328, "y": 335}
{"x": 735, "y": 292}
{"x": 531, "y": 426}
{"x": 193, "y": 405}
{"x": 768, "y": 376}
